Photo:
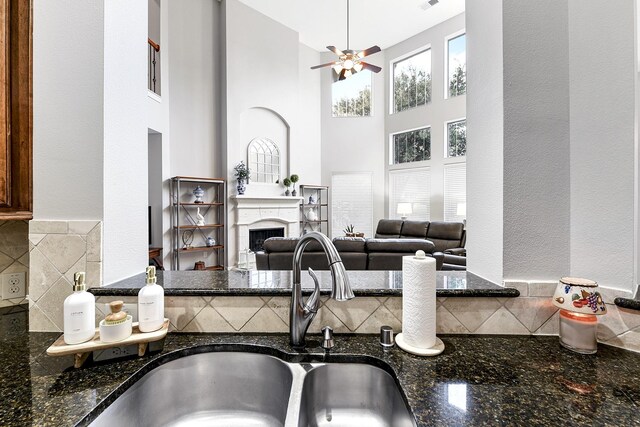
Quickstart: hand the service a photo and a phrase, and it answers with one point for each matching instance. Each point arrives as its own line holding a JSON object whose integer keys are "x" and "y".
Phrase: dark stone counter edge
{"x": 630, "y": 303}
{"x": 442, "y": 293}
{"x": 290, "y": 357}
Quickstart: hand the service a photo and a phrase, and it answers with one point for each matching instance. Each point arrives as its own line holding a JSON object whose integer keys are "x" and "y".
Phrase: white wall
{"x": 68, "y": 117}
{"x": 125, "y": 139}
{"x": 485, "y": 125}
{"x": 435, "y": 113}
{"x": 259, "y": 75}
{"x": 194, "y": 83}
{"x": 308, "y": 139}
{"x": 602, "y": 83}
{"x": 355, "y": 144}
{"x": 536, "y": 140}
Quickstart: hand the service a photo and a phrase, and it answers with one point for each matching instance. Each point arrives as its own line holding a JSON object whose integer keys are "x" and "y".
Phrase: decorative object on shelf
{"x": 116, "y": 326}
{"x": 198, "y": 193}
{"x": 187, "y": 239}
{"x": 419, "y": 301}
{"x": 311, "y": 215}
{"x": 579, "y": 303}
{"x": 199, "y": 218}
{"x": 199, "y": 266}
{"x": 312, "y": 200}
{"x": 294, "y": 178}
{"x": 242, "y": 174}
{"x": 287, "y": 183}
{"x": 151, "y": 303}
{"x": 210, "y": 241}
{"x": 79, "y": 310}
{"x": 404, "y": 210}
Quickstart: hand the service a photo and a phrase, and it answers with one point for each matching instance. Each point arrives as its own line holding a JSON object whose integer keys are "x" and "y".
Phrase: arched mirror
{"x": 264, "y": 160}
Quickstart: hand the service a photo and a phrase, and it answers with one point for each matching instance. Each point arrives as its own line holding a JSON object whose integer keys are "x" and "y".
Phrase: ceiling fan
{"x": 349, "y": 61}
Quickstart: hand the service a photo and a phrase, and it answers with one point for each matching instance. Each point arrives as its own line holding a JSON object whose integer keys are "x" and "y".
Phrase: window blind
{"x": 455, "y": 191}
{"x": 352, "y": 203}
{"x": 410, "y": 186}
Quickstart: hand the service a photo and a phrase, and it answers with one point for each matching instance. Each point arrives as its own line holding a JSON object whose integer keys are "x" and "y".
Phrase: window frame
{"x": 372, "y": 74}
{"x": 446, "y": 60}
{"x": 421, "y": 163}
{"x": 446, "y": 138}
{"x": 401, "y": 58}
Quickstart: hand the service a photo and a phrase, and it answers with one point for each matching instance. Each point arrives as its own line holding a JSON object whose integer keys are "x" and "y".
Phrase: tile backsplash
{"x": 14, "y": 252}
{"x": 57, "y": 250}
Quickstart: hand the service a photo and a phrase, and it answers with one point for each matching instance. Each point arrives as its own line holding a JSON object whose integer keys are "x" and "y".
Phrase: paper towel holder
{"x": 437, "y": 348}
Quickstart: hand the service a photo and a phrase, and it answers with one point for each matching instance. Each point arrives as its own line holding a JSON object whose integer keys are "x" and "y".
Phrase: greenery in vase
{"x": 242, "y": 171}
{"x": 350, "y": 229}
{"x": 286, "y": 182}
{"x": 294, "y": 179}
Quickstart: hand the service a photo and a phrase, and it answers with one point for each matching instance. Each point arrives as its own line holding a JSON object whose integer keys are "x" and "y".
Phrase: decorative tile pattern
{"x": 14, "y": 252}
{"x": 56, "y": 250}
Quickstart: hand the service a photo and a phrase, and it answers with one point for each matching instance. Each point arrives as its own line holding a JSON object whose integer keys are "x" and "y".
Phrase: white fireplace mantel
{"x": 257, "y": 202}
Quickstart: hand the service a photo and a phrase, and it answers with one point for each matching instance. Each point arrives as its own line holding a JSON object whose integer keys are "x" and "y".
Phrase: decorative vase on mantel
{"x": 287, "y": 193}
{"x": 242, "y": 186}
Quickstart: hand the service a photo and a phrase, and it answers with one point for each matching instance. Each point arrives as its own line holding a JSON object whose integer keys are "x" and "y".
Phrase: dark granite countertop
{"x": 478, "y": 380}
{"x": 263, "y": 283}
{"x": 630, "y": 303}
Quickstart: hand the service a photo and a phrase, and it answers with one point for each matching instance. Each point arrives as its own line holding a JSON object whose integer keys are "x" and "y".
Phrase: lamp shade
{"x": 461, "y": 209}
{"x": 579, "y": 296}
{"x": 404, "y": 209}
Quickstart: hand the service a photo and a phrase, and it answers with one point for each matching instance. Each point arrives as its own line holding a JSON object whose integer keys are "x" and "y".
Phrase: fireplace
{"x": 257, "y": 236}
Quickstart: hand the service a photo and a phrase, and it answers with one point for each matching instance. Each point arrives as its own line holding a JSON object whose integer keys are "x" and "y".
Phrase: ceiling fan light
{"x": 357, "y": 67}
{"x": 347, "y": 73}
{"x": 348, "y": 64}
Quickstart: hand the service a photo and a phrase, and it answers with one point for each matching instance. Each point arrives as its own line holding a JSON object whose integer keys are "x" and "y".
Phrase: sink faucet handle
{"x": 313, "y": 301}
{"x": 327, "y": 338}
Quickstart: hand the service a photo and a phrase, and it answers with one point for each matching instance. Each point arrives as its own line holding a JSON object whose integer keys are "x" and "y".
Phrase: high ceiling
{"x": 382, "y": 22}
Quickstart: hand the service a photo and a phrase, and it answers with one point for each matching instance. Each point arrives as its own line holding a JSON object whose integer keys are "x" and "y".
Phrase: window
{"x": 351, "y": 203}
{"x": 352, "y": 97}
{"x": 264, "y": 160}
{"x": 457, "y": 138}
{"x": 455, "y": 192}
{"x": 412, "y": 81}
{"x": 410, "y": 186}
{"x": 412, "y": 146}
{"x": 457, "y": 65}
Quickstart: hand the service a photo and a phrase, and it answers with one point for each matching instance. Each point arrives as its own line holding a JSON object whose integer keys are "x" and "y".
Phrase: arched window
{"x": 264, "y": 160}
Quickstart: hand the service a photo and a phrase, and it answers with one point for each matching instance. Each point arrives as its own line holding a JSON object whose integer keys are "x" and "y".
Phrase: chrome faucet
{"x": 302, "y": 314}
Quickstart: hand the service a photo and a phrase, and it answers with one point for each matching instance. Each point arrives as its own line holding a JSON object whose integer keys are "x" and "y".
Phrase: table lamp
{"x": 404, "y": 210}
{"x": 461, "y": 210}
{"x": 579, "y": 304}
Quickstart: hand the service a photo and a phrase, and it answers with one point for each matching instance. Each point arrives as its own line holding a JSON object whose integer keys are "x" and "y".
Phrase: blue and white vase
{"x": 242, "y": 186}
{"x": 198, "y": 193}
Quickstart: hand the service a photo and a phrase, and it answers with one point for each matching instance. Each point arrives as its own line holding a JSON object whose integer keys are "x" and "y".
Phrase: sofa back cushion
{"x": 406, "y": 246}
{"x": 288, "y": 244}
{"x": 445, "y": 235}
{"x": 349, "y": 244}
{"x": 389, "y": 229}
{"x": 414, "y": 230}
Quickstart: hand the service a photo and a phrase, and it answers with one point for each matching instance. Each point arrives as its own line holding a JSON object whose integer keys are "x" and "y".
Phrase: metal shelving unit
{"x": 320, "y": 194}
{"x": 183, "y": 219}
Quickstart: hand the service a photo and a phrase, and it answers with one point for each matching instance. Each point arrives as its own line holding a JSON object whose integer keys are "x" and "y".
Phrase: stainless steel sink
{"x": 209, "y": 389}
{"x": 247, "y": 389}
{"x": 352, "y": 395}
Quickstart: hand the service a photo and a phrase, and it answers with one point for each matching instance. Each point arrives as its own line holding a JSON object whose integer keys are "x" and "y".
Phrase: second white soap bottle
{"x": 151, "y": 304}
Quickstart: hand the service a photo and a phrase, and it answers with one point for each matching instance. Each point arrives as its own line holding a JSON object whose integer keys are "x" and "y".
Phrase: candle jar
{"x": 578, "y": 332}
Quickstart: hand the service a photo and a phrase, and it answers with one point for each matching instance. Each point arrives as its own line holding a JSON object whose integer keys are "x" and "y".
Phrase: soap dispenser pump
{"x": 79, "y": 312}
{"x": 151, "y": 304}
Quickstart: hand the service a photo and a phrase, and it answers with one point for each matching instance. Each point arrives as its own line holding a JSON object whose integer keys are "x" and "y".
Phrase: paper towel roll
{"x": 419, "y": 301}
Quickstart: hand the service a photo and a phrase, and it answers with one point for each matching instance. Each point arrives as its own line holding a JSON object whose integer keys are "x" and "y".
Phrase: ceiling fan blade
{"x": 371, "y": 67}
{"x": 370, "y": 51}
{"x": 335, "y": 50}
{"x": 315, "y": 67}
{"x": 342, "y": 75}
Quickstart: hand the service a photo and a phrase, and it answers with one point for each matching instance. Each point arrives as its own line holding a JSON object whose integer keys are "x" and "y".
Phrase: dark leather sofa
{"x": 394, "y": 239}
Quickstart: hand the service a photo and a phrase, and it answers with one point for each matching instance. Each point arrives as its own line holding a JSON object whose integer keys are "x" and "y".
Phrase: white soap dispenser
{"x": 79, "y": 312}
{"x": 151, "y": 304}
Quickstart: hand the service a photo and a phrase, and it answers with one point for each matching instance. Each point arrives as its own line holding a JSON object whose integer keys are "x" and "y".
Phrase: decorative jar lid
{"x": 579, "y": 296}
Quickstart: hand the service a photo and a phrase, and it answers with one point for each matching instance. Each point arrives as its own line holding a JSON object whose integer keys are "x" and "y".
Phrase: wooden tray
{"x": 82, "y": 351}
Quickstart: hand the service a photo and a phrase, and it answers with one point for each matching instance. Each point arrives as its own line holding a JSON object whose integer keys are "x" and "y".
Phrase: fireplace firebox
{"x": 259, "y": 235}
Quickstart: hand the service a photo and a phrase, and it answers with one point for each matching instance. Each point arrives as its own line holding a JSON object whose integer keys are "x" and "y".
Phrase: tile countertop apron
{"x": 271, "y": 283}
{"x": 488, "y": 380}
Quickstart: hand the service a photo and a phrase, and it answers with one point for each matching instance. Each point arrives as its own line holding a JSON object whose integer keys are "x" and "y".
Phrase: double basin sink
{"x": 249, "y": 389}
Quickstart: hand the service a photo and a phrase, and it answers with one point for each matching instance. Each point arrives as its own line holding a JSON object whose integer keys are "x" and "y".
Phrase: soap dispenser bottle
{"x": 79, "y": 312}
{"x": 151, "y": 304}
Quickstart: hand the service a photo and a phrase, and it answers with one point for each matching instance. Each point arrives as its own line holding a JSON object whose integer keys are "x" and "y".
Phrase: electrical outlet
{"x": 14, "y": 285}
{"x": 115, "y": 353}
